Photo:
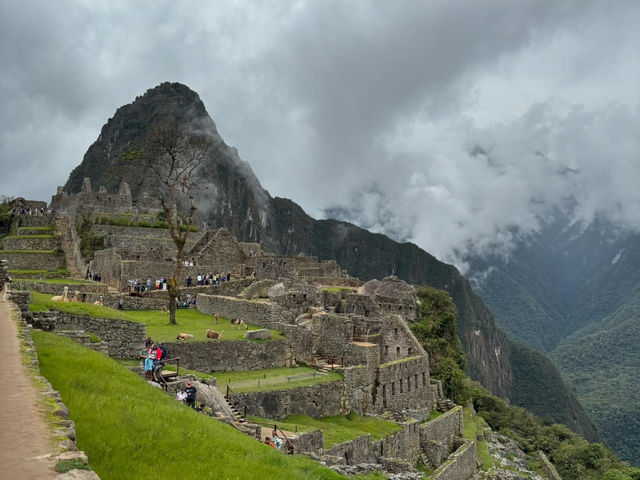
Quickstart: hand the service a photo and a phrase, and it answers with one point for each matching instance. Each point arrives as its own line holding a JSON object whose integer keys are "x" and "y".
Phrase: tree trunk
{"x": 173, "y": 295}
{"x": 174, "y": 283}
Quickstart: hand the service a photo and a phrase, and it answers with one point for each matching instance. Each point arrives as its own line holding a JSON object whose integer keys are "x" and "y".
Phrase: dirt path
{"x": 24, "y": 435}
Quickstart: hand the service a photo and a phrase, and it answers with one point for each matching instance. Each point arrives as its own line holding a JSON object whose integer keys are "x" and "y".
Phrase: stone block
{"x": 261, "y": 334}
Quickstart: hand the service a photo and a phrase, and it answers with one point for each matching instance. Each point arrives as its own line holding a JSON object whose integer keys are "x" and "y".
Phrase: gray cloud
{"x": 366, "y": 110}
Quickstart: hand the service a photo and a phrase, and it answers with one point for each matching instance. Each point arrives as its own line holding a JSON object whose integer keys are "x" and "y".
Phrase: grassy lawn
{"x": 158, "y": 327}
{"x": 273, "y": 379}
{"x": 56, "y": 281}
{"x": 337, "y": 429}
{"x": 338, "y": 289}
{"x": 131, "y": 430}
{"x": 473, "y": 425}
{"x": 59, "y": 272}
{"x": 38, "y": 235}
{"x": 40, "y": 229}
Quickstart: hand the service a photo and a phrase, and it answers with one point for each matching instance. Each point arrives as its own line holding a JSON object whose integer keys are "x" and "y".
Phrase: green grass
{"x": 336, "y": 430}
{"x": 131, "y": 430}
{"x": 158, "y": 327}
{"x": 338, "y": 289}
{"x": 55, "y": 281}
{"x": 59, "y": 272}
{"x": 49, "y": 252}
{"x": 473, "y": 426}
{"x": 41, "y": 229}
{"x": 47, "y": 236}
{"x": 272, "y": 379}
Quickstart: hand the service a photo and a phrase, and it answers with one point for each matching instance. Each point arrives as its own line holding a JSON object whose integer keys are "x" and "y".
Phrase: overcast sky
{"x": 447, "y": 123}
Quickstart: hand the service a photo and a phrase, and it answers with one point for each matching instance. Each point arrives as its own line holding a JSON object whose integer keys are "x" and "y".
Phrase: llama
{"x": 61, "y": 298}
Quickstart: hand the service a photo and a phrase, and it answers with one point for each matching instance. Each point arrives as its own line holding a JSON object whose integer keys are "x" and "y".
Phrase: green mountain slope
{"x": 584, "y": 306}
{"x": 235, "y": 199}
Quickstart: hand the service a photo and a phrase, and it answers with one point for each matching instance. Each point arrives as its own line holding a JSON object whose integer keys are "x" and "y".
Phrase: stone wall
{"x": 57, "y": 288}
{"x": 361, "y": 305}
{"x": 33, "y": 260}
{"x": 232, "y": 355}
{"x": 460, "y": 466}
{"x": 358, "y": 450}
{"x": 35, "y": 220}
{"x": 317, "y": 401}
{"x": 125, "y": 339}
{"x": 397, "y": 341}
{"x": 360, "y": 381}
{"x": 21, "y": 298}
{"x": 262, "y": 314}
{"x": 308, "y": 442}
{"x": 331, "y": 334}
{"x": 109, "y": 264}
{"x": 301, "y": 340}
{"x": 404, "y": 445}
{"x": 438, "y": 437}
{"x": 29, "y": 243}
{"x": 403, "y": 384}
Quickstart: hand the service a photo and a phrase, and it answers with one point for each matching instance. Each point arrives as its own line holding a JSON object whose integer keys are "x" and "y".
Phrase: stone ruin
{"x": 328, "y": 319}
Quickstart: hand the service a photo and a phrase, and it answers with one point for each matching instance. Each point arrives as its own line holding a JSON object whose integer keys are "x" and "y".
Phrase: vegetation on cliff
{"x": 437, "y": 332}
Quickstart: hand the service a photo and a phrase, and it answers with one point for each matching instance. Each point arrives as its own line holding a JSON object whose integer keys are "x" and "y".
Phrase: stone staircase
{"x": 33, "y": 245}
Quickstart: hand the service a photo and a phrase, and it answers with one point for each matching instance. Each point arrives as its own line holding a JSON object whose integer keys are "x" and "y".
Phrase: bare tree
{"x": 171, "y": 158}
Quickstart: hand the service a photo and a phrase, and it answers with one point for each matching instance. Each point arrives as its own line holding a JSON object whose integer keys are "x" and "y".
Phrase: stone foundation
{"x": 262, "y": 314}
{"x": 124, "y": 339}
{"x": 232, "y": 355}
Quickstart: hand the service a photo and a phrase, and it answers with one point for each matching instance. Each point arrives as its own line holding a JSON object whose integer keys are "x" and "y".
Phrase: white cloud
{"x": 369, "y": 110}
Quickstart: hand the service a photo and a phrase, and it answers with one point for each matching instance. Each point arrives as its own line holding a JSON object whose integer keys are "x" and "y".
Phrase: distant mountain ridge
{"x": 234, "y": 199}
{"x": 575, "y": 292}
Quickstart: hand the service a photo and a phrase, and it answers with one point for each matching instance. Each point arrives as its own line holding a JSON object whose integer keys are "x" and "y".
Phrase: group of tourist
{"x": 153, "y": 357}
{"x": 189, "y": 396}
{"x": 208, "y": 279}
{"x": 95, "y": 276}
{"x": 31, "y": 211}
{"x": 276, "y": 442}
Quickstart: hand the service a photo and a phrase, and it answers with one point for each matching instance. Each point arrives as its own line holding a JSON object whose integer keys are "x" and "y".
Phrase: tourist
{"x": 181, "y": 396}
{"x": 148, "y": 284}
{"x": 149, "y": 362}
{"x": 277, "y": 441}
{"x": 216, "y": 319}
{"x": 192, "y": 394}
{"x": 189, "y": 281}
{"x": 120, "y": 304}
{"x": 268, "y": 441}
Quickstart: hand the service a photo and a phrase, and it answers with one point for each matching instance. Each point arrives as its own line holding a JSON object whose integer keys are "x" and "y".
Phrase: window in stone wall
{"x": 424, "y": 380}
{"x": 395, "y": 331}
{"x": 386, "y": 349}
{"x": 384, "y": 396}
{"x": 409, "y": 350}
{"x": 400, "y": 385}
{"x": 408, "y": 384}
{"x": 415, "y": 377}
{"x": 397, "y": 351}
{"x": 393, "y": 388}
